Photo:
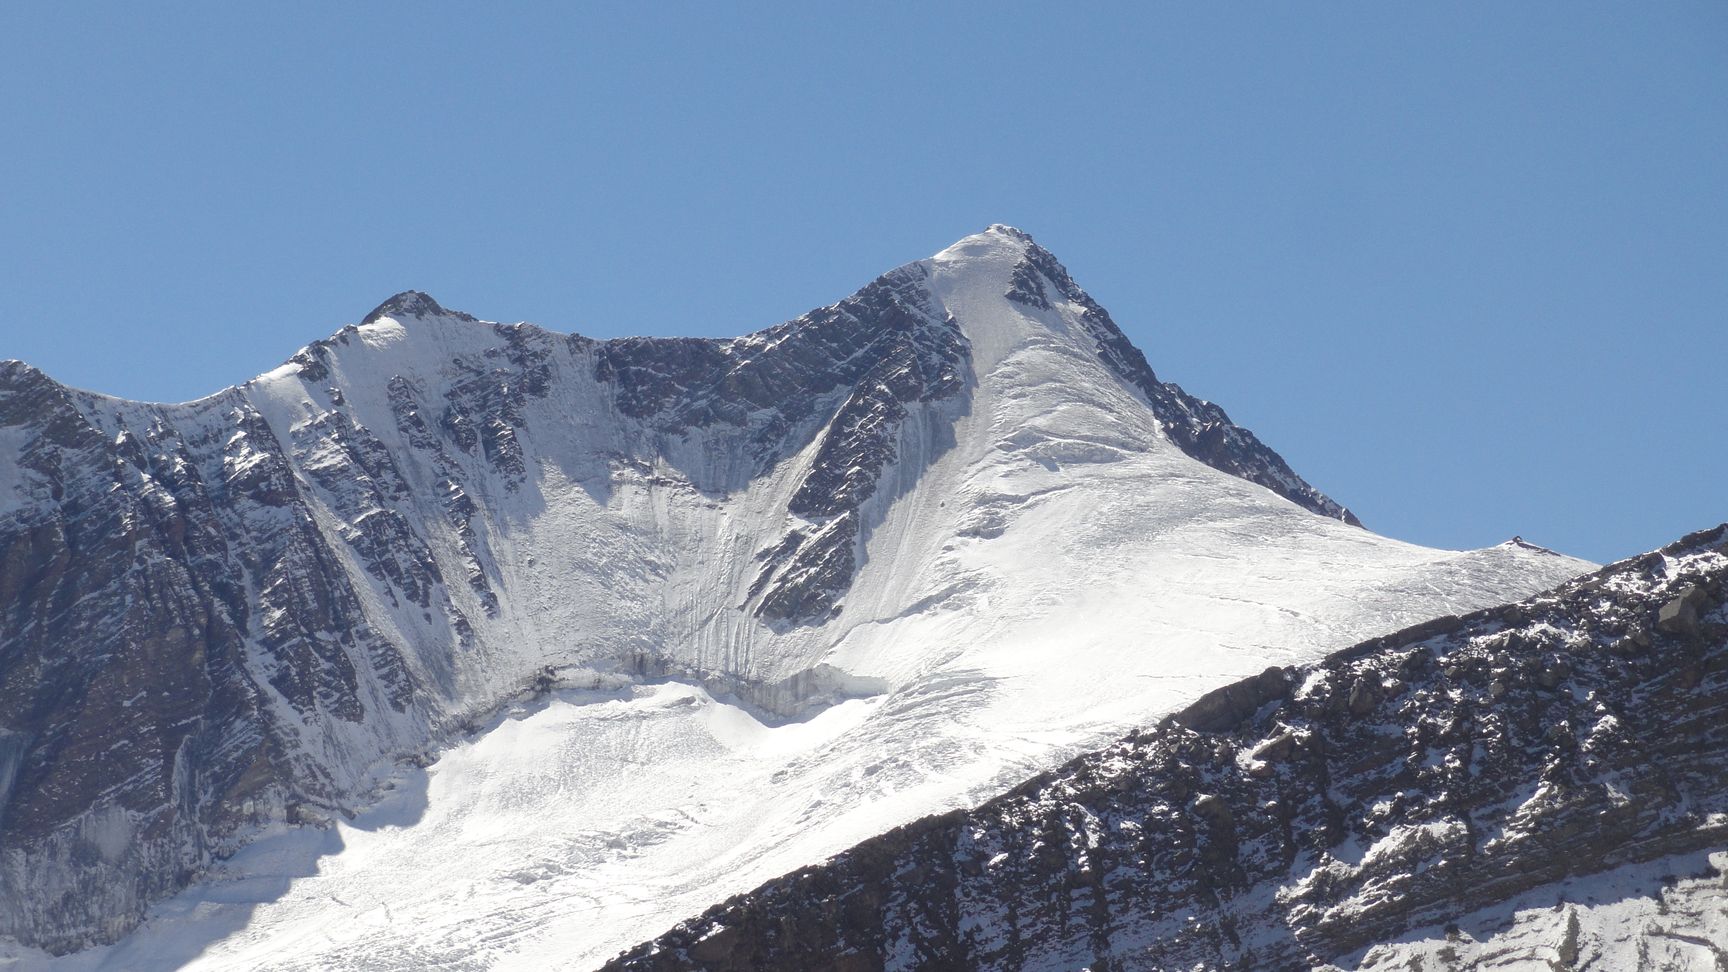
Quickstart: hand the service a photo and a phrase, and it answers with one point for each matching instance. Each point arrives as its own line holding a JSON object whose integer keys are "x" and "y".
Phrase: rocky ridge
{"x": 1305, "y": 816}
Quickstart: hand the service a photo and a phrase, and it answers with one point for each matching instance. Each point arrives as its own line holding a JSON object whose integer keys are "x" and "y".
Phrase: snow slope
{"x": 1519, "y": 776}
{"x": 1667, "y": 915}
{"x": 1038, "y": 568}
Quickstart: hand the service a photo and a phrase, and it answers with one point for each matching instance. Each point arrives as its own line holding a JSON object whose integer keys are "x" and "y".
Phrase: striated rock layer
{"x": 959, "y": 491}
{"x": 1306, "y": 815}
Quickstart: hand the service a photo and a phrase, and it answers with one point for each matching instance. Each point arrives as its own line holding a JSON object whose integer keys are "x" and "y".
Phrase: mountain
{"x": 1543, "y": 785}
{"x": 667, "y": 617}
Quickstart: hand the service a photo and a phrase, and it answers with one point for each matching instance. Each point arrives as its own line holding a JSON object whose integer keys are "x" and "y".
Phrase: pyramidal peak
{"x": 413, "y": 304}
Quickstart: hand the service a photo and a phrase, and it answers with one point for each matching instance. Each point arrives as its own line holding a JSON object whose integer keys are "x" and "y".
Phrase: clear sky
{"x": 1464, "y": 265}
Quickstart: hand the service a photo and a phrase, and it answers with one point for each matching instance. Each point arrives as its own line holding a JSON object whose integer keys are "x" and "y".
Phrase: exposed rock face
{"x": 174, "y": 623}
{"x": 887, "y": 344}
{"x": 1300, "y": 817}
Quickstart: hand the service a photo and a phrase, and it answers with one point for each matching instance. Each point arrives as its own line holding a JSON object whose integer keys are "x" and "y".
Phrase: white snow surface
{"x": 1666, "y": 914}
{"x": 1042, "y": 570}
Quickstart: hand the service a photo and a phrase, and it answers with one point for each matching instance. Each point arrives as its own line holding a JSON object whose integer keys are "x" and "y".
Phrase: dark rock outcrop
{"x": 412, "y": 303}
{"x": 1297, "y": 817}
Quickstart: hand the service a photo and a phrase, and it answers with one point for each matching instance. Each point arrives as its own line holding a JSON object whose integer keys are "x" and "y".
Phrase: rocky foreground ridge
{"x": 1299, "y": 818}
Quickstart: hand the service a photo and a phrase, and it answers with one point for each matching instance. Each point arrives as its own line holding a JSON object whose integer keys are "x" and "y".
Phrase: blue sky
{"x": 1464, "y": 265}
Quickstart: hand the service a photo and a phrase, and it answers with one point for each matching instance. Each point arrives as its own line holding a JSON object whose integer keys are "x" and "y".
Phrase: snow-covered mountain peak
{"x": 995, "y": 250}
{"x": 413, "y": 304}
{"x": 952, "y": 524}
